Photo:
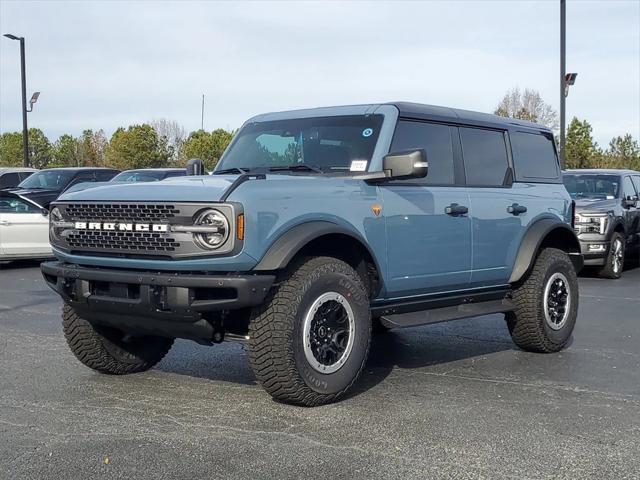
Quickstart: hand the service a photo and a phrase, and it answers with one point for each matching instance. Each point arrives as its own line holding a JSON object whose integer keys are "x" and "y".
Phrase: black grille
{"x": 123, "y": 212}
{"x": 131, "y": 241}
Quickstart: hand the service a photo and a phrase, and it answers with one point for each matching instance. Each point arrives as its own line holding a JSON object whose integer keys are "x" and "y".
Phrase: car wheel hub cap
{"x": 557, "y": 301}
{"x": 617, "y": 256}
{"x": 328, "y": 331}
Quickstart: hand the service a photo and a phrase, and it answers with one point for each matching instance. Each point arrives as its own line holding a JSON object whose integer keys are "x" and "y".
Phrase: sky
{"x": 105, "y": 64}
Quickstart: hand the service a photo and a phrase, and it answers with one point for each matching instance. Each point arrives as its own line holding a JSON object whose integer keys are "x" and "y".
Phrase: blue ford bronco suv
{"x": 317, "y": 227}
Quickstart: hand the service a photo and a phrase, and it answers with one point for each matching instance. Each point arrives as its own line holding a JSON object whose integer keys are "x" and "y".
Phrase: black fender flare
{"x": 532, "y": 240}
{"x": 291, "y": 242}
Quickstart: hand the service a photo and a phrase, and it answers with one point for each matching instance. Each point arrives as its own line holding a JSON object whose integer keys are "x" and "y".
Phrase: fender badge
{"x": 376, "y": 209}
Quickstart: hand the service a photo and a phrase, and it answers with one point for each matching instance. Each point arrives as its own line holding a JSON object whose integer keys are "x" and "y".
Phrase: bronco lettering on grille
{"x": 122, "y": 227}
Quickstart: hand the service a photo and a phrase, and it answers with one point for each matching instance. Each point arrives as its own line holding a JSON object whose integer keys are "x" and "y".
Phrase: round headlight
{"x": 217, "y": 227}
{"x": 55, "y": 215}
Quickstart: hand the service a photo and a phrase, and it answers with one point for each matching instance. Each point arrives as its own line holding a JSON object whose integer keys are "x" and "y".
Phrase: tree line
{"x": 160, "y": 143}
{"x": 164, "y": 143}
{"x": 581, "y": 151}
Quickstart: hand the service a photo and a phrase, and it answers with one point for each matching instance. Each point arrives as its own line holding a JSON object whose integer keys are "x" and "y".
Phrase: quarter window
{"x": 435, "y": 139}
{"x": 534, "y": 156}
{"x": 485, "y": 156}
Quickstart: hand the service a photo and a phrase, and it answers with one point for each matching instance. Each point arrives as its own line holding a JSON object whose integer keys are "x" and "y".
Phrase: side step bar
{"x": 444, "y": 314}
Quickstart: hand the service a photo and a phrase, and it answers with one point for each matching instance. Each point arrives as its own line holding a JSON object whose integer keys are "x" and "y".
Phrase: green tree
{"x": 66, "y": 152}
{"x": 207, "y": 146}
{"x": 40, "y": 151}
{"x": 11, "y": 153}
{"x": 91, "y": 148}
{"x": 137, "y": 147}
{"x": 623, "y": 152}
{"x": 580, "y": 149}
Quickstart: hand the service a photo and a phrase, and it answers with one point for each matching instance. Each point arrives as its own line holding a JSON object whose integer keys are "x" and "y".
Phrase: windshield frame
{"x": 613, "y": 176}
{"x": 389, "y": 113}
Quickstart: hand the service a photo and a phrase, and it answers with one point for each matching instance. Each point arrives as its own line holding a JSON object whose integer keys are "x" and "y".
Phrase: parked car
{"x": 315, "y": 226}
{"x": 24, "y": 229}
{"x": 46, "y": 185}
{"x": 12, "y": 176}
{"x": 607, "y": 216}
{"x": 134, "y": 176}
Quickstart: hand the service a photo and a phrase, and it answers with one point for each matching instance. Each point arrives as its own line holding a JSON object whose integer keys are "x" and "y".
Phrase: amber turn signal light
{"x": 240, "y": 227}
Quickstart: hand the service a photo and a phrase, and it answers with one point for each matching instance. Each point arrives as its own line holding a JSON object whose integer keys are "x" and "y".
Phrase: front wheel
{"x": 546, "y": 304}
{"x": 614, "y": 264}
{"x": 309, "y": 341}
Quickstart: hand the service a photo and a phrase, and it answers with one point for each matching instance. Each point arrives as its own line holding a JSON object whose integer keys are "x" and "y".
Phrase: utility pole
{"x": 563, "y": 72}
{"x": 25, "y": 130}
{"x": 202, "y": 115}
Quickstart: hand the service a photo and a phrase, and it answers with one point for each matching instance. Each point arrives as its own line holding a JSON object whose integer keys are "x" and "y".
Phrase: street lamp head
{"x": 12, "y": 37}
{"x": 570, "y": 78}
{"x": 34, "y": 98}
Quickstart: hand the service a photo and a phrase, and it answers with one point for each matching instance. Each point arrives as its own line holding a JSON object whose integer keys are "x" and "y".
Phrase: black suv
{"x": 607, "y": 216}
{"x": 45, "y": 186}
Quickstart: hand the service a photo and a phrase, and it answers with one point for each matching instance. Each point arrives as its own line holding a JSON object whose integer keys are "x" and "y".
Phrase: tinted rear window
{"x": 436, "y": 141}
{"x": 534, "y": 156}
{"x": 485, "y": 156}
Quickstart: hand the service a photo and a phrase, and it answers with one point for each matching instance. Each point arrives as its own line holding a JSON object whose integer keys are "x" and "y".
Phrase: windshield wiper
{"x": 302, "y": 167}
{"x": 231, "y": 170}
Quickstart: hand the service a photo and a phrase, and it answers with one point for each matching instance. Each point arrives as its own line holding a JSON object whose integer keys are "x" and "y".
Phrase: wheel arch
{"x": 325, "y": 238}
{"x": 545, "y": 233}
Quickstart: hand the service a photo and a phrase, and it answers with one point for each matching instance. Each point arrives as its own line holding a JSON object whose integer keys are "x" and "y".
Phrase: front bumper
{"x": 154, "y": 303}
{"x": 594, "y": 257}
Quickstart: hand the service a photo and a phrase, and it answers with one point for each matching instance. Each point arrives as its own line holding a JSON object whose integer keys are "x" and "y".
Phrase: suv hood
{"x": 186, "y": 189}
{"x": 595, "y": 204}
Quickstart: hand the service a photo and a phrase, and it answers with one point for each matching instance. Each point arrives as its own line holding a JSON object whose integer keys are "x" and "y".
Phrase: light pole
{"x": 563, "y": 72}
{"x": 25, "y": 130}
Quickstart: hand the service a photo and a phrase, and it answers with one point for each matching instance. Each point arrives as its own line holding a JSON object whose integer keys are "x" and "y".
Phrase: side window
{"x": 485, "y": 156}
{"x": 16, "y": 205}
{"x": 628, "y": 189}
{"x": 534, "y": 156}
{"x": 636, "y": 182}
{"x": 9, "y": 180}
{"x": 105, "y": 176}
{"x": 435, "y": 139}
{"x": 24, "y": 175}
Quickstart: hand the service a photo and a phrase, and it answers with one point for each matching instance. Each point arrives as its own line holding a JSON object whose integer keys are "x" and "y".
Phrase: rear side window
{"x": 105, "y": 176}
{"x": 435, "y": 139}
{"x": 534, "y": 156}
{"x": 9, "y": 180}
{"x": 485, "y": 156}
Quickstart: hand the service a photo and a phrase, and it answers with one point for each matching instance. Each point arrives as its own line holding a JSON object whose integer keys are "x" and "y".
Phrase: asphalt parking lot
{"x": 455, "y": 400}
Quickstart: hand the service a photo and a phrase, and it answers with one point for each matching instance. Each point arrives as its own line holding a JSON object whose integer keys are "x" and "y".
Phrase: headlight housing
{"x": 592, "y": 223}
{"x": 211, "y": 229}
{"x": 55, "y": 218}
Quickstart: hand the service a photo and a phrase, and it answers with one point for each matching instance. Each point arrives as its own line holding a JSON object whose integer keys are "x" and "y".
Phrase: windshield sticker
{"x": 367, "y": 132}
{"x": 358, "y": 166}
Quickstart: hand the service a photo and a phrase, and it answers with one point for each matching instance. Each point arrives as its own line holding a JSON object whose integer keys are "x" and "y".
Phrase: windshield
{"x": 138, "y": 176}
{"x": 327, "y": 143}
{"x": 51, "y": 179}
{"x": 592, "y": 186}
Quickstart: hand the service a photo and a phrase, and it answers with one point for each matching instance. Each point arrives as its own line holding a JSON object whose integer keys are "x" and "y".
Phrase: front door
{"x": 428, "y": 238}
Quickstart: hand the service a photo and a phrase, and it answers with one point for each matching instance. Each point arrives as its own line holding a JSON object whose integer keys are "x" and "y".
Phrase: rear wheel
{"x": 614, "y": 263}
{"x": 546, "y": 304}
{"x": 109, "y": 350}
{"x": 309, "y": 341}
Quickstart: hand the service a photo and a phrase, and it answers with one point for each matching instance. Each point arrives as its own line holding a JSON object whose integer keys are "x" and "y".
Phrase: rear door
{"x": 496, "y": 231}
{"x": 428, "y": 250}
{"x": 24, "y": 230}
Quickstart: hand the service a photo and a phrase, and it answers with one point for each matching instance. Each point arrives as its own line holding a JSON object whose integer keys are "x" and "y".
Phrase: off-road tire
{"x": 107, "y": 350}
{"x": 608, "y": 270}
{"x": 276, "y": 333}
{"x": 527, "y": 323}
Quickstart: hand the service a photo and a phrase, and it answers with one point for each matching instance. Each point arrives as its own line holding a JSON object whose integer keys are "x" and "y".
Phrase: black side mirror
{"x": 630, "y": 201}
{"x": 406, "y": 164}
{"x": 195, "y": 166}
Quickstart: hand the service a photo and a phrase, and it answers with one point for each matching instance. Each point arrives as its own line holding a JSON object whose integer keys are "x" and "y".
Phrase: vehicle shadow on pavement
{"x": 19, "y": 264}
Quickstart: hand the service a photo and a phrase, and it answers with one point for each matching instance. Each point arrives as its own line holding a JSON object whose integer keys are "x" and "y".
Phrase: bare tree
{"x": 174, "y": 134}
{"x": 527, "y": 105}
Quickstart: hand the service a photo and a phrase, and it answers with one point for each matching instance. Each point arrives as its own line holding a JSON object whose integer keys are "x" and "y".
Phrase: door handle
{"x": 516, "y": 209}
{"x": 5, "y": 223}
{"x": 454, "y": 209}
